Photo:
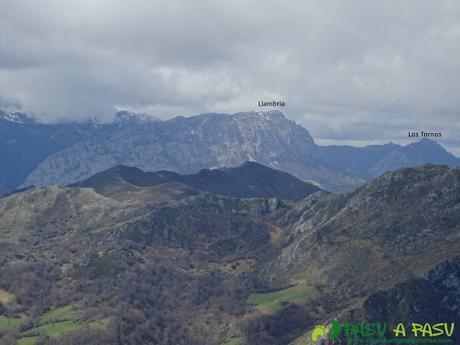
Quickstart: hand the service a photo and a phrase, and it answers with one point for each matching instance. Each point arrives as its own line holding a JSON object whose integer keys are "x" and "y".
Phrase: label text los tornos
{"x": 423, "y": 134}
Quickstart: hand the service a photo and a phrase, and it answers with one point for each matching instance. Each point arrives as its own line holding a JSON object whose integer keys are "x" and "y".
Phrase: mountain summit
{"x": 15, "y": 117}
{"x": 373, "y": 160}
{"x": 33, "y": 153}
{"x": 187, "y": 145}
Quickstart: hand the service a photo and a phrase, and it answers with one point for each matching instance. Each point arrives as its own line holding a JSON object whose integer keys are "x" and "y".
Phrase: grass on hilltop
{"x": 7, "y": 323}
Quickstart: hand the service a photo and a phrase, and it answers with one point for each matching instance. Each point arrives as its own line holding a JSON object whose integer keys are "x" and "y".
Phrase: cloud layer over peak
{"x": 356, "y": 70}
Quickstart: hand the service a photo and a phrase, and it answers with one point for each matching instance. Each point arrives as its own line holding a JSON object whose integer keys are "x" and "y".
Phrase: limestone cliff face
{"x": 186, "y": 145}
{"x": 24, "y": 143}
{"x": 59, "y": 154}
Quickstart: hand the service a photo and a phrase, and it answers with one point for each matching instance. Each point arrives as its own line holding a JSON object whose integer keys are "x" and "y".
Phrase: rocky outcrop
{"x": 395, "y": 227}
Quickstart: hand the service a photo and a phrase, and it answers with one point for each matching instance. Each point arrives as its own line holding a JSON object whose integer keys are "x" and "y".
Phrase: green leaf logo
{"x": 318, "y": 332}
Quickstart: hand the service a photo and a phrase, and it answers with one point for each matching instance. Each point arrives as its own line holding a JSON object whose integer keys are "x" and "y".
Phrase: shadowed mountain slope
{"x": 373, "y": 160}
{"x": 249, "y": 180}
{"x": 25, "y": 143}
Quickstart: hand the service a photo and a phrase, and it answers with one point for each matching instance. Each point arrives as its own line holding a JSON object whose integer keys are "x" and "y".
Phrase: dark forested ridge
{"x": 249, "y": 180}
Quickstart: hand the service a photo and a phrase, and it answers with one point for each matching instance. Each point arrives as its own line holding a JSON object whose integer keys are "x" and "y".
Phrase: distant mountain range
{"x": 100, "y": 263}
{"x": 40, "y": 154}
{"x": 25, "y": 143}
{"x": 373, "y": 160}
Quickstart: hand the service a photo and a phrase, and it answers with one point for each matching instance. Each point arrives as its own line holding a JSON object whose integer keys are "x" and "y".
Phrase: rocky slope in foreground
{"x": 203, "y": 269}
{"x": 410, "y": 214}
{"x": 430, "y": 298}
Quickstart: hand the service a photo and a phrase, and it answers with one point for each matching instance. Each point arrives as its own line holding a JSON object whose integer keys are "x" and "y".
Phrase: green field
{"x": 54, "y": 329}
{"x": 53, "y": 323}
{"x": 272, "y": 301}
{"x": 68, "y": 312}
{"x": 58, "y": 322}
{"x": 7, "y": 323}
{"x": 28, "y": 341}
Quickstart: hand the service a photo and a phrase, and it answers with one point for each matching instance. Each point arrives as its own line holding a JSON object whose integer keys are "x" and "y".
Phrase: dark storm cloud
{"x": 357, "y": 70}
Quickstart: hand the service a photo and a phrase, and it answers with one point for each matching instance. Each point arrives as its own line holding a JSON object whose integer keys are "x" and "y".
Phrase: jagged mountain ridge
{"x": 25, "y": 142}
{"x": 373, "y": 160}
{"x": 395, "y": 214}
{"x": 249, "y": 180}
{"x": 187, "y": 145}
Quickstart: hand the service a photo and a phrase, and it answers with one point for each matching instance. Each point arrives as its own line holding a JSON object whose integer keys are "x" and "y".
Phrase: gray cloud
{"x": 355, "y": 71}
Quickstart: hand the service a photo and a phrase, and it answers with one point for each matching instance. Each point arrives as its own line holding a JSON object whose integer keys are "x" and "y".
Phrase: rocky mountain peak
{"x": 267, "y": 115}
{"x": 16, "y": 117}
{"x": 125, "y": 117}
{"x": 426, "y": 143}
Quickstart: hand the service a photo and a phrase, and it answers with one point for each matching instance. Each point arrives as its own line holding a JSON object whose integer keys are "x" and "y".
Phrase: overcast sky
{"x": 352, "y": 71}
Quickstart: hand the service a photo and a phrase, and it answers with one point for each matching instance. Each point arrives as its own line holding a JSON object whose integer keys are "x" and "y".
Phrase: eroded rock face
{"x": 187, "y": 145}
{"x": 58, "y": 154}
{"x": 445, "y": 281}
{"x": 368, "y": 235}
{"x": 432, "y": 298}
{"x": 24, "y": 143}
